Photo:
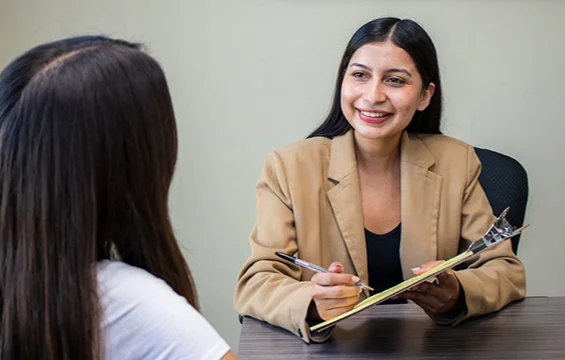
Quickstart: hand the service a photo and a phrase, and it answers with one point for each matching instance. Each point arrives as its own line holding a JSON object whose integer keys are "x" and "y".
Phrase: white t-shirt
{"x": 143, "y": 318}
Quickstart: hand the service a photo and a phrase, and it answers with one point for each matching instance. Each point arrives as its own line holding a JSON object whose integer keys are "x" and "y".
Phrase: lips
{"x": 373, "y": 117}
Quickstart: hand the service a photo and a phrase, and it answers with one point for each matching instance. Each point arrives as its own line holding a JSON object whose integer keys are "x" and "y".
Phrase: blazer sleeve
{"x": 496, "y": 277}
{"x": 268, "y": 288}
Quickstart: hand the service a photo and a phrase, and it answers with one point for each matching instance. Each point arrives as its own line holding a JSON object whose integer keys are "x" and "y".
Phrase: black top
{"x": 383, "y": 260}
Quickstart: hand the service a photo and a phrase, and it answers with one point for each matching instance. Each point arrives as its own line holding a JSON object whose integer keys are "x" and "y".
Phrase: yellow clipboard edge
{"x": 395, "y": 290}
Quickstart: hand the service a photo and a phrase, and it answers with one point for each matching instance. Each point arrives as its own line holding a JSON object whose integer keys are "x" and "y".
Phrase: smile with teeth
{"x": 374, "y": 114}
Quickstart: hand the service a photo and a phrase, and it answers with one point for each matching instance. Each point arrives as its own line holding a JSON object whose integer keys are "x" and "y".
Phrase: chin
{"x": 374, "y": 133}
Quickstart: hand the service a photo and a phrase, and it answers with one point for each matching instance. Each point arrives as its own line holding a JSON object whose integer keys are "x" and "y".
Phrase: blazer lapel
{"x": 345, "y": 199}
{"x": 420, "y": 196}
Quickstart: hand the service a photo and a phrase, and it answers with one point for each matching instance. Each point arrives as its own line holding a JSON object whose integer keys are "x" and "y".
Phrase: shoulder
{"x": 311, "y": 150}
{"x": 143, "y": 315}
{"x": 454, "y": 159}
{"x": 445, "y": 147}
{"x": 311, "y": 145}
{"x": 295, "y": 162}
{"x": 449, "y": 153}
{"x": 120, "y": 282}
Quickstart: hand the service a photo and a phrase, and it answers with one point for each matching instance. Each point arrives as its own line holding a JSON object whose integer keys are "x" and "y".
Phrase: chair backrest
{"x": 505, "y": 183}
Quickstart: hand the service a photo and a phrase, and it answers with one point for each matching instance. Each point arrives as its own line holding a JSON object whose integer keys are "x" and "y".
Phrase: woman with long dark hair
{"x": 376, "y": 194}
{"x": 90, "y": 267}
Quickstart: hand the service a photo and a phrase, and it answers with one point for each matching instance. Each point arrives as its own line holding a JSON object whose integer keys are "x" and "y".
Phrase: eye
{"x": 396, "y": 81}
{"x": 359, "y": 75}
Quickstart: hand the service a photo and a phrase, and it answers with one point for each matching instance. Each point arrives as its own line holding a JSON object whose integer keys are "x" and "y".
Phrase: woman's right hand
{"x": 334, "y": 292}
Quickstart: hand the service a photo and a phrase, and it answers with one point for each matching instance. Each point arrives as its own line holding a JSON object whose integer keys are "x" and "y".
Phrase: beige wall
{"x": 250, "y": 76}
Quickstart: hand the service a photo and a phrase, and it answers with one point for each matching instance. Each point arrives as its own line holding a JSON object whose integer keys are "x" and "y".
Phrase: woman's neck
{"x": 378, "y": 156}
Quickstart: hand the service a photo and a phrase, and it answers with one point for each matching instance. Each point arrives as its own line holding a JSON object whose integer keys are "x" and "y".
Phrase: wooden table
{"x": 530, "y": 329}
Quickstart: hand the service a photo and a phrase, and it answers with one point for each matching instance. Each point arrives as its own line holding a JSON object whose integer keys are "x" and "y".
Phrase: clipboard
{"x": 499, "y": 231}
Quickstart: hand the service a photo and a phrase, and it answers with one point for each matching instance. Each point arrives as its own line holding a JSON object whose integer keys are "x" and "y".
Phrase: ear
{"x": 427, "y": 97}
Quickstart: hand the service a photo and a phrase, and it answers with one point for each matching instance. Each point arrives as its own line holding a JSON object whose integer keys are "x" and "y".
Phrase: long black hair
{"x": 409, "y": 36}
{"x": 88, "y": 147}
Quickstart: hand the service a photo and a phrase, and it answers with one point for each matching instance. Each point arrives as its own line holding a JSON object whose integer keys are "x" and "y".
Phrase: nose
{"x": 375, "y": 93}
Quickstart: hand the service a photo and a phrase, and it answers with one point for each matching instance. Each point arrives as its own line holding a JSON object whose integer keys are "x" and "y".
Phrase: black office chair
{"x": 505, "y": 183}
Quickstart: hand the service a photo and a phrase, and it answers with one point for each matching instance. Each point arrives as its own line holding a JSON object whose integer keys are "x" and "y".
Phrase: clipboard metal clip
{"x": 500, "y": 230}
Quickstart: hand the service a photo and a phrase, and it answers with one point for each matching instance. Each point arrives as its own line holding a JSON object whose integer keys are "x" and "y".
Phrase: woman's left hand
{"x": 433, "y": 298}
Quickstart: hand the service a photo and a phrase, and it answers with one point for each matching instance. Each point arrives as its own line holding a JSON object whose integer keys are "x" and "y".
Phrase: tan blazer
{"x": 309, "y": 203}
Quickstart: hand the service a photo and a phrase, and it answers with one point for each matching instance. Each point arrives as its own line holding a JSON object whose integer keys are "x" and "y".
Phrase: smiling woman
{"x": 381, "y": 71}
{"x": 376, "y": 194}
{"x": 414, "y": 56}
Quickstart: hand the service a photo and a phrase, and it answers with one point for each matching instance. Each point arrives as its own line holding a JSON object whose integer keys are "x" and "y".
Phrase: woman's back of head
{"x": 87, "y": 153}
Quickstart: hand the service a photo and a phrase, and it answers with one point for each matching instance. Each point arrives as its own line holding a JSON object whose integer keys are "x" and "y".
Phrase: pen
{"x": 316, "y": 268}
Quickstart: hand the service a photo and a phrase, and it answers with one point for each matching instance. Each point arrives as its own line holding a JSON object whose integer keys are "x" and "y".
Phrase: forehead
{"x": 383, "y": 55}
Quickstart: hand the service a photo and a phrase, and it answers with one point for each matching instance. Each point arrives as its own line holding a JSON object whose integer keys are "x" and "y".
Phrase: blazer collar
{"x": 343, "y": 160}
{"x": 414, "y": 152}
{"x": 420, "y": 190}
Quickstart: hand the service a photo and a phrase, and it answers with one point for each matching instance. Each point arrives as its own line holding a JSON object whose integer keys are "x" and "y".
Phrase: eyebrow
{"x": 393, "y": 70}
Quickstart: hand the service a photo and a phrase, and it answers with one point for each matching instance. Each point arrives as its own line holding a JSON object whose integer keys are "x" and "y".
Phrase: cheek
{"x": 348, "y": 97}
{"x": 406, "y": 102}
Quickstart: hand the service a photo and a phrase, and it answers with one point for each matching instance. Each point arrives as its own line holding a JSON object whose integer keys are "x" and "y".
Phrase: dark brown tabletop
{"x": 530, "y": 329}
